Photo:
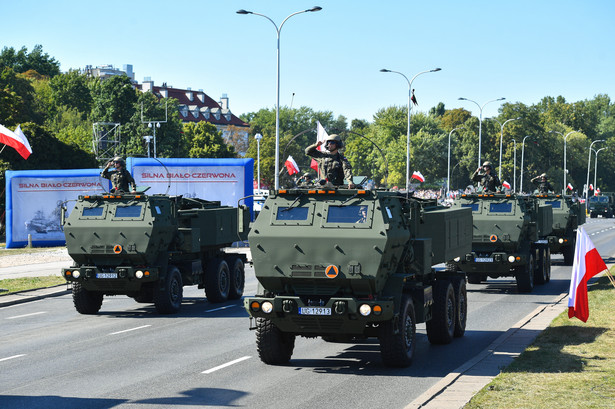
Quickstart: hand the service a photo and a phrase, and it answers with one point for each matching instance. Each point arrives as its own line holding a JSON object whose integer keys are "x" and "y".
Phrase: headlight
{"x": 365, "y": 310}
{"x": 511, "y": 259}
{"x": 76, "y": 274}
{"x": 139, "y": 274}
{"x": 561, "y": 240}
{"x": 267, "y": 307}
{"x": 457, "y": 259}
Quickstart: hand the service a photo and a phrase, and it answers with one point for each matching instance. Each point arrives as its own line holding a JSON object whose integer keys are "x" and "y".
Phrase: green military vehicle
{"x": 601, "y": 205}
{"x": 347, "y": 264}
{"x": 508, "y": 239}
{"x": 149, "y": 246}
{"x": 568, "y": 215}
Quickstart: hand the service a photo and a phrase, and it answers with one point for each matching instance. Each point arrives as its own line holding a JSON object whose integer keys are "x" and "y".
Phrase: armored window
{"x": 500, "y": 207}
{"x": 347, "y": 214}
{"x": 92, "y": 211}
{"x": 128, "y": 211}
{"x": 473, "y": 206}
{"x": 556, "y": 204}
{"x": 292, "y": 213}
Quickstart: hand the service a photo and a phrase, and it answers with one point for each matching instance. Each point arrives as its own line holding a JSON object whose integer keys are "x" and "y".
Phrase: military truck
{"x": 602, "y": 205}
{"x": 509, "y": 239}
{"x": 568, "y": 215}
{"x": 149, "y": 246}
{"x": 347, "y": 264}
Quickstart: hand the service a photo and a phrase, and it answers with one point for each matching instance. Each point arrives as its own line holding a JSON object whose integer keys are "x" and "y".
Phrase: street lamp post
{"x": 409, "y": 112}
{"x": 588, "y": 162}
{"x": 596, "y": 165}
{"x": 258, "y": 138}
{"x": 277, "y": 105}
{"x": 502, "y": 137}
{"x": 514, "y": 165}
{"x": 448, "y": 171}
{"x": 565, "y": 138}
{"x": 522, "y": 154}
{"x": 480, "y": 122}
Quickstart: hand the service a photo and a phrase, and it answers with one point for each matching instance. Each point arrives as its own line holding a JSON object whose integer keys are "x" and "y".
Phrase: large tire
{"x": 568, "y": 253}
{"x": 86, "y": 302}
{"x": 274, "y": 346}
{"x": 398, "y": 337}
{"x": 217, "y": 280}
{"x": 238, "y": 279}
{"x": 168, "y": 300}
{"x": 441, "y": 326}
{"x": 525, "y": 275}
{"x": 548, "y": 264}
{"x": 461, "y": 316}
{"x": 474, "y": 278}
{"x": 541, "y": 270}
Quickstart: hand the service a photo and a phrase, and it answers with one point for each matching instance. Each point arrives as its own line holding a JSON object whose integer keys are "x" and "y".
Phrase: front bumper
{"x": 116, "y": 280}
{"x": 491, "y": 264}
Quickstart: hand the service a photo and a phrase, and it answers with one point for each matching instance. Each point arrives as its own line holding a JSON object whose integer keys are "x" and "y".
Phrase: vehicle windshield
{"x": 347, "y": 214}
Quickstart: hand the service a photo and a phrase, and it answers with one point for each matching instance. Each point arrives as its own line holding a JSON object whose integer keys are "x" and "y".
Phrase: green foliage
{"x": 71, "y": 90}
{"x": 207, "y": 141}
{"x": 114, "y": 100}
{"x": 16, "y": 98}
{"x": 22, "y": 61}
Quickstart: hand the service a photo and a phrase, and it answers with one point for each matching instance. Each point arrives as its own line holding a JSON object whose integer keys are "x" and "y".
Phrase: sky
{"x": 330, "y": 60}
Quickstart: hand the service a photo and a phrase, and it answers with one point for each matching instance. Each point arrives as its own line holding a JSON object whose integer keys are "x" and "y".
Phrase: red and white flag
{"x": 569, "y": 187}
{"x": 587, "y": 263}
{"x": 418, "y": 176}
{"x": 597, "y": 190}
{"x": 314, "y": 164}
{"x": 321, "y": 135}
{"x": 291, "y": 165}
{"x": 506, "y": 184}
{"x": 16, "y": 140}
{"x": 591, "y": 187}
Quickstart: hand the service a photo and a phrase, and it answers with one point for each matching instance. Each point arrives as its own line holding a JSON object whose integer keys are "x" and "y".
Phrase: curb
{"x": 33, "y": 295}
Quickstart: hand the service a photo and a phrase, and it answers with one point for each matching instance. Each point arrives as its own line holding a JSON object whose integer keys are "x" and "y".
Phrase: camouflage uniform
{"x": 488, "y": 181}
{"x": 121, "y": 179}
{"x": 543, "y": 184}
{"x": 332, "y": 166}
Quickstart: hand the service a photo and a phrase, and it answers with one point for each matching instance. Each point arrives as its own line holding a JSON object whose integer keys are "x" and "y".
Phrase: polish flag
{"x": 418, "y": 176}
{"x": 291, "y": 165}
{"x": 591, "y": 187}
{"x": 587, "y": 263}
{"x": 506, "y": 184}
{"x": 321, "y": 135}
{"x": 16, "y": 140}
{"x": 314, "y": 164}
{"x": 569, "y": 187}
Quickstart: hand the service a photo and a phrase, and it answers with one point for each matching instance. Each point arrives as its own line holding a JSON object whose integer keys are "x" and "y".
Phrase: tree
{"x": 207, "y": 141}
{"x": 16, "y": 99}
{"x": 71, "y": 90}
{"x": 114, "y": 99}
{"x": 22, "y": 61}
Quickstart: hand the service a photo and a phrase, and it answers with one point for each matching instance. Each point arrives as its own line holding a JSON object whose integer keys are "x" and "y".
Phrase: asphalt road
{"x": 130, "y": 357}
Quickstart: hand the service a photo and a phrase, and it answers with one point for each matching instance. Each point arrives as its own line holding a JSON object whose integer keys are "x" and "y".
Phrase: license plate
{"x": 483, "y": 259}
{"x": 314, "y": 311}
{"x": 106, "y": 275}
{"x": 542, "y": 242}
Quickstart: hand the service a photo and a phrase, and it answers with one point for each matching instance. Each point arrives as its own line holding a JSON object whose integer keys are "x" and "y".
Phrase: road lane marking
{"x": 243, "y": 358}
{"x": 26, "y": 315}
{"x": 12, "y": 357}
{"x": 128, "y": 330}
{"x": 221, "y": 308}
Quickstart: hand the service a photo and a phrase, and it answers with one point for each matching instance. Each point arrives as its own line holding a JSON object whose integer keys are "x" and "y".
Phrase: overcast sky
{"x": 330, "y": 59}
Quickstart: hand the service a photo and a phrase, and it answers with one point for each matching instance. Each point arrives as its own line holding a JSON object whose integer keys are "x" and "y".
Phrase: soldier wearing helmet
{"x": 543, "y": 184}
{"x": 120, "y": 178}
{"x": 332, "y": 165}
{"x": 488, "y": 181}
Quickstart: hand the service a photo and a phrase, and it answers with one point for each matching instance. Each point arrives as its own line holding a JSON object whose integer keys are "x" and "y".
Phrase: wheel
{"x": 548, "y": 264}
{"x": 461, "y": 295}
{"x": 525, "y": 276}
{"x": 568, "y": 252}
{"x": 398, "y": 337}
{"x": 86, "y": 302}
{"x": 217, "y": 280}
{"x": 274, "y": 346}
{"x": 238, "y": 279}
{"x": 168, "y": 300}
{"x": 474, "y": 278}
{"x": 540, "y": 272}
{"x": 441, "y": 326}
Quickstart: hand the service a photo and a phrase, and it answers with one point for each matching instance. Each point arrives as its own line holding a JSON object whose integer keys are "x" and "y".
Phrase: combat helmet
{"x": 543, "y": 176}
{"x": 487, "y": 164}
{"x": 336, "y": 138}
{"x": 119, "y": 160}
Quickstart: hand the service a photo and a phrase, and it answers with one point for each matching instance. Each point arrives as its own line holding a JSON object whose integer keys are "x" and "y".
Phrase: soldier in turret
{"x": 121, "y": 179}
{"x": 543, "y": 184}
{"x": 488, "y": 181}
{"x": 332, "y": 165}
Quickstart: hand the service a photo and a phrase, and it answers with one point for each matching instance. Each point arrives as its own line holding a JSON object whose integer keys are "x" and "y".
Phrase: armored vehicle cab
{"x": 345, "y": 264}
{"x": 602, "y": 205}
{"x": 508, "y": 240}
{"x": 149, "y": 247}
{"x": 568, "y": 215}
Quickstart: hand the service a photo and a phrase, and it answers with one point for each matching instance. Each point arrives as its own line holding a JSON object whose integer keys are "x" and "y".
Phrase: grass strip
{"x": 569, "y": 365}
{"x": 14, "y": 285}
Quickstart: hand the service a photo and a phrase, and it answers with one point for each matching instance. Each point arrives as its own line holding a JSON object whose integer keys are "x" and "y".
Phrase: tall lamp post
{"x": 448, "y": 171}
{"x": 409, "y": 109}
{"x": 522, "y": 154}
{"x": 588, "y": 162}
{"x": 565, "y": 138}
{"x": 596, "y": 164}
{"x": 514, "y": 165}
{"x": 501, "y": 138}
{"x": 258, "y": 138}
{"x": 480, "y": 122}
{"x": 277, "y": 105}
